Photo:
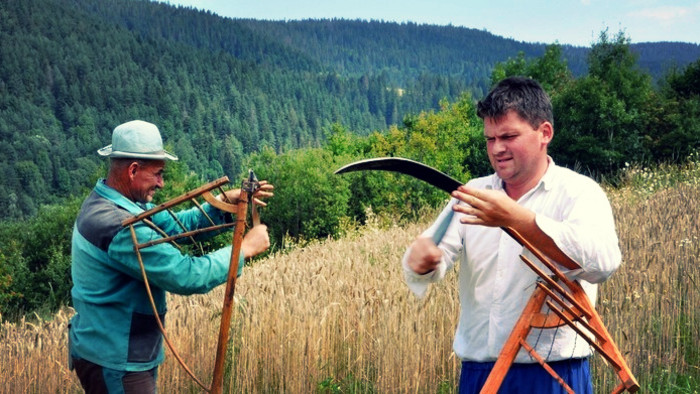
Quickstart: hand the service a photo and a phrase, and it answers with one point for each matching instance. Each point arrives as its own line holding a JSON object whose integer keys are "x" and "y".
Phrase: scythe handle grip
{"x": 217, "y": 381}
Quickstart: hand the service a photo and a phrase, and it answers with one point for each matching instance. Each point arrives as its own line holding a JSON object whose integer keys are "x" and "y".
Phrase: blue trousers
{"x": 529, "y": 378}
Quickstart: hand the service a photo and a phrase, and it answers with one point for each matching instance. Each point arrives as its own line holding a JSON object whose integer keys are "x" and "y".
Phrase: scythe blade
{"x": 415, "y": 169}
{"x": 405, "y": 166}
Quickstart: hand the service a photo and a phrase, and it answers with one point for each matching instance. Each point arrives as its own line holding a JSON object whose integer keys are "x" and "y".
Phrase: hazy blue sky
{"x": 576, "y": 22}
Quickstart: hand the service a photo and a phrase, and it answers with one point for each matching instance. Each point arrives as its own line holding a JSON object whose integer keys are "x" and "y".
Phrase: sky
{"x": 575, "y": 22}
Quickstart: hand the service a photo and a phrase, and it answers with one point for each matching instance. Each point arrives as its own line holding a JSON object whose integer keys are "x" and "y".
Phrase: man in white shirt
{"x": 560, "y": 212}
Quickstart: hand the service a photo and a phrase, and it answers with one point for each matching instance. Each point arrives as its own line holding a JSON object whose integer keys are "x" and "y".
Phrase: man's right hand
{"x": 256, "y": 241}
{"x": 424, "y": 255}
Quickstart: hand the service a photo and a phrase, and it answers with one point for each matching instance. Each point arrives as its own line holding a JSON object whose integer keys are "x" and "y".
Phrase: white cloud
{"x": 664, "y": 14}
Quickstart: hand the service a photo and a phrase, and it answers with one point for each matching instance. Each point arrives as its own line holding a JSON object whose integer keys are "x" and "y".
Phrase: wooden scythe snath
{"x": 248, "y": 188}
{"x": 563, "y": 296}
{"x": 573, "y": 308}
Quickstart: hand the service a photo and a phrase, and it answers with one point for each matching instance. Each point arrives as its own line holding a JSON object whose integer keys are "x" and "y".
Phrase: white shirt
{"x": 495, "y": 285}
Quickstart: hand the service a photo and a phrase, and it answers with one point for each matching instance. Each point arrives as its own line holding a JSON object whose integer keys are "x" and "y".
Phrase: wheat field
{"x": 335, "y": 316}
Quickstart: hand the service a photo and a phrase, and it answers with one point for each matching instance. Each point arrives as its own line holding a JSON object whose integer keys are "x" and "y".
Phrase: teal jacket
{"x": 114, "y": 325}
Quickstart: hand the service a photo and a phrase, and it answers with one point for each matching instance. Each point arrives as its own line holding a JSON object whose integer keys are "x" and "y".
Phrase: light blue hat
{"x": 136, "y": 139}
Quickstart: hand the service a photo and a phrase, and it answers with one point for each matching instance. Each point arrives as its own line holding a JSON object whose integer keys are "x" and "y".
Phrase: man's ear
{"x": 547, "y": 131}
{"x": 133, "y": 167}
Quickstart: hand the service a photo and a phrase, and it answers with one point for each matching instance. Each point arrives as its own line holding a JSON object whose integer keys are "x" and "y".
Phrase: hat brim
{"x": 162, "y": 155}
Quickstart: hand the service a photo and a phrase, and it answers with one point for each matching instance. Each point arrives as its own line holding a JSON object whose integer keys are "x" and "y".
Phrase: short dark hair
{"x": 523, "y": 95}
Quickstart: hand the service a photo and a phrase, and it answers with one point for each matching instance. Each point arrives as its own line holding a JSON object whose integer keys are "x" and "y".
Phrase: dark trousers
{"x": 529, "y": 378}
{"x": 96, "y": 379}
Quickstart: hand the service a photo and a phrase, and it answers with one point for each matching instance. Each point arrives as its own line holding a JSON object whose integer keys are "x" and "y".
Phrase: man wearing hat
{"x": 115, "y": 343}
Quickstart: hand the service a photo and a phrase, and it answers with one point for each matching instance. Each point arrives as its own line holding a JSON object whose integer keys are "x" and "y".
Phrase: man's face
{"x": 517, "y": 152}
{"x": 145, "y": 179}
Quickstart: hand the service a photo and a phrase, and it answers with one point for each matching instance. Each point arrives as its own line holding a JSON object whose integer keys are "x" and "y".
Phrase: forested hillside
{"x": 219, "y": 88}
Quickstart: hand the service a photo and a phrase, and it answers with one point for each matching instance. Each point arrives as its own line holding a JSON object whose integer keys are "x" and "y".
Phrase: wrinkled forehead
{"x": 511, "y": 115}
{"x": 504, "y": 124}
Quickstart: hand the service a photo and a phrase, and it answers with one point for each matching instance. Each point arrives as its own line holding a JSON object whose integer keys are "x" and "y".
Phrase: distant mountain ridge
{"x": 657, "y": 57}
{"x": 221, "y": 88}
{"x": 354, "y": 47}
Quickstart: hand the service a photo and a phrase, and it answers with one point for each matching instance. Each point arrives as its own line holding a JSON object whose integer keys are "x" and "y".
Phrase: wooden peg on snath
{"x": 248, "y": 189}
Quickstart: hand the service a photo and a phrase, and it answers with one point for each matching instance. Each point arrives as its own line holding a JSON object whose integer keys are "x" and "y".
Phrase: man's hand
{"x": 256, "y": 241}
{"x": 424, "y": 256}
{"x": 494, "y": 208}
{"x": 491, "y": 208}
{"x": 264, "y": 191}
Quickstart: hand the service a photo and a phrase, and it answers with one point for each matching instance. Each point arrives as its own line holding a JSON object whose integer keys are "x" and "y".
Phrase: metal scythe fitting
{"x": 251, "y": 185}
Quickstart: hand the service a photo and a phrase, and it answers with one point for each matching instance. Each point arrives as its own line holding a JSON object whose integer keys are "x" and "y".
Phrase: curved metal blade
{"x": 417, "y": 170}
{"x": 405, "y": 166}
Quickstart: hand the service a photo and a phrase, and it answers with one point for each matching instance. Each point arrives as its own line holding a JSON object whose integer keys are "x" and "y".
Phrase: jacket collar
{"x": 113, "y": 195}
